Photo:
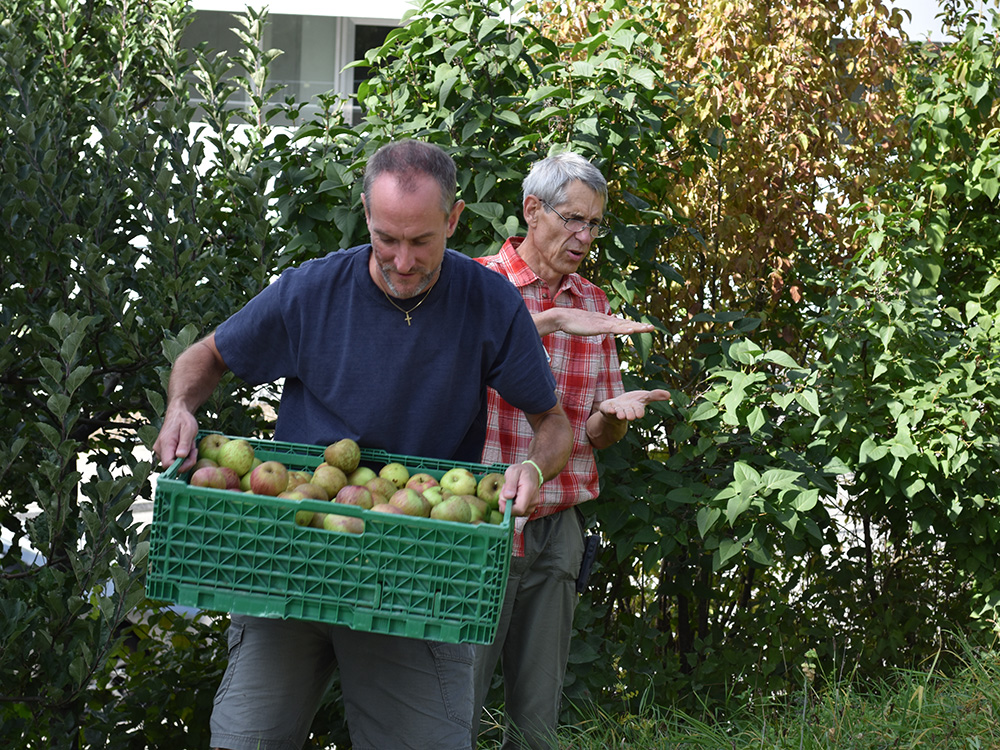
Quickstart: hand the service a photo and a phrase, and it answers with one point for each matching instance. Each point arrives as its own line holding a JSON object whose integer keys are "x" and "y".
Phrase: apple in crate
{"x": 459, "y": 481}
{"x": 479, "y": 508}
{"x": 411, "y": 502}
{"x": 297, "y": 477}
{"x": 354, "y": 494}
{"x": 209, "y": 476}
{"x": 396, "y": 473}
{"x": 270, "y": 478}
{"x": 453, "y": 509}
{"x": 382, "y": 487}
{"x": 330, "y": 478}
{"x": 312, "y": 491}
{"x": 489, "y": 488}
{"x": 302, "y": 517}
{"x": 344, "y": 524}
{"x": 238, "y": 455}
{"x": 232, "y": 478}
{"x": 209, "y": 445}
{"x": 421, "y": 481}
{"x": 361, "y": 476}
{"x": 434, "y": 495}
{"x": 344, "y": 454}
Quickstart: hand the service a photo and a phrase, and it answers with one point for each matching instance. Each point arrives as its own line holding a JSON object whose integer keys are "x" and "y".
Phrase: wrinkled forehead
{"x": 576, "y": 197}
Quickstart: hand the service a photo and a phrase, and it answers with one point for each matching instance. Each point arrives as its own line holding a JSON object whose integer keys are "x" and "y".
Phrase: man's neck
{"x": 532, "y": 258}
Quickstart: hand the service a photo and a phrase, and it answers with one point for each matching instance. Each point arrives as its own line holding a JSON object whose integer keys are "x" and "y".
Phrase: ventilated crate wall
{"x": 417, "y": 577}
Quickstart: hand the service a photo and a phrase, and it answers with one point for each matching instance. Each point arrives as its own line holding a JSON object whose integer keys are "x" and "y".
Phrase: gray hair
{"x": 547, "y": 179}
{"x": 407, "y": 159}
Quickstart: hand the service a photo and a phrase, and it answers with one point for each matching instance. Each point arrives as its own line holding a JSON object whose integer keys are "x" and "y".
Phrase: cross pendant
{"x": 407, "y": 320}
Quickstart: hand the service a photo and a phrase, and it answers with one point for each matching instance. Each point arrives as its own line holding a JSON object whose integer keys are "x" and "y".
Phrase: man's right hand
{"x": 177, "y": 439}
{"x": 192, "y": 379}
{"x": 586, "y": 323}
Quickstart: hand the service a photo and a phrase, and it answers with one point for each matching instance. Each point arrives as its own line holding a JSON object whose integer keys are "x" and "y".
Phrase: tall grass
{"x": 911, "y": 709}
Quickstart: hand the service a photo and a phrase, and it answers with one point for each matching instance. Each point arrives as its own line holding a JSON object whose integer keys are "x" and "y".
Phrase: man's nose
{"x": 406, "y": 259}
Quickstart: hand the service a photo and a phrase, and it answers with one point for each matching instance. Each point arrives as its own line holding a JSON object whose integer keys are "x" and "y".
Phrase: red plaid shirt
{"x": 587, "y": 372}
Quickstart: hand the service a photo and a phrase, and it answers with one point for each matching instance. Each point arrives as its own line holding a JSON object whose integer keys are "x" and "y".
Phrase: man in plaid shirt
{"x": 564, "y": 198}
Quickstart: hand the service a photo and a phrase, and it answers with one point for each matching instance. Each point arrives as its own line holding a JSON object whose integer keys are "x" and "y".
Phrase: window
{"x": 315, "y": 50}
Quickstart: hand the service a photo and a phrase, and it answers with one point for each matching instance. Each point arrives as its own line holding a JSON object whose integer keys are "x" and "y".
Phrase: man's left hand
{"x": 521, "y": 487}
{"x": 632, "y": 405}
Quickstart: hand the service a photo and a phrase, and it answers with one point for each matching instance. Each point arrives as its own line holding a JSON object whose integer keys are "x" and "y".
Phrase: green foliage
{"x": 835, "y": 499}
{"x": 116, "y": 246}
{"x": 843, "y": 502}
{"x": 496, "y": 94}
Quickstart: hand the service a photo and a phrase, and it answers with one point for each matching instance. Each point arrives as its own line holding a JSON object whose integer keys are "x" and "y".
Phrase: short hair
{"x": 407, "y": 159}
{"x": 547, "y": 179}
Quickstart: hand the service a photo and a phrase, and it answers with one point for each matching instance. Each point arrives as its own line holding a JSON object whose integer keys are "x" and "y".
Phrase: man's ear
{"x": 456, "y": 211}
{"x": 532, "y": 205}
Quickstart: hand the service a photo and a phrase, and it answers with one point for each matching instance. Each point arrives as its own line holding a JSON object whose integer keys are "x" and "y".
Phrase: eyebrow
{"x": 388, "y": 235}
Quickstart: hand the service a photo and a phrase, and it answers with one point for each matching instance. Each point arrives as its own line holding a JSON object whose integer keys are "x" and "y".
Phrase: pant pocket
{"x": 235, "y": 636}
{"x": 453, "y": 662}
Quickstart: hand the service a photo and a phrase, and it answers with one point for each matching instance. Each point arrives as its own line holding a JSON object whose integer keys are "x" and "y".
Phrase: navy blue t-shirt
{"x": 353, "y": 368}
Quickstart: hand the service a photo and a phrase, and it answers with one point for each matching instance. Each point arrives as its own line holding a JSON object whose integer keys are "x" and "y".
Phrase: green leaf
{"x": 744, "y": 472}
{"x": 728, "y": 549}
{"x": 706, "y": 519}
{"x": 808, "y": 400}
{"x": 643, "y": 76}
{"x": 779, "y": 478}
{"x": 806, "y": 500}
{"x": 58, "y": 404}
{"x": 486, "y": 210}
{"x": 78, "y": 377}
{"x": 782, "y": 359}
{"x": 508, "y": 116}
{"x": 871, "y": 451}
{"x": 736, "y": 506}
{"x": 990, "y": 187}
{"x": 704, "y": 410}
{"x": 977, "y": 90}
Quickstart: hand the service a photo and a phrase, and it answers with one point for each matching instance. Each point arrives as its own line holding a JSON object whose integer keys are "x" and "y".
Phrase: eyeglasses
{"x": 578, "y": 225}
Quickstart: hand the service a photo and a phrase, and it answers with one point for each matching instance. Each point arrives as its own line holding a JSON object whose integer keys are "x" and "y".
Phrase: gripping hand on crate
{"x": 195, "y": 375}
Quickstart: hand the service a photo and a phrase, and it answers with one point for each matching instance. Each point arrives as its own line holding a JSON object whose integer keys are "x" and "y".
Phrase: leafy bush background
{"x": 825, "y": 478}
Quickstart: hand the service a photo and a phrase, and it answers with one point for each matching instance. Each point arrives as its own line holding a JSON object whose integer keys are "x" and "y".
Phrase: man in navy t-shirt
{"x": 392, "y": 344}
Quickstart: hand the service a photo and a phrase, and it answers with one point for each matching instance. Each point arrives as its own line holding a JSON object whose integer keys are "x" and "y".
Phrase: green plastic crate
{"x": 230, "y": 551}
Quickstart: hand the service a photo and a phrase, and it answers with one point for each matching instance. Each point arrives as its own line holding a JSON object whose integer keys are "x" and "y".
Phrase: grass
{"x": 912, "y": 709}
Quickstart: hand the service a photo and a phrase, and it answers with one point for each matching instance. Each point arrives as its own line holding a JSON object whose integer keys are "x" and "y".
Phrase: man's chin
{"x": 409, "y": 289}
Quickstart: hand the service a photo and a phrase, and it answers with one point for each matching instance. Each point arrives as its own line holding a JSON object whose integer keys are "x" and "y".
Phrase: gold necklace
{"x": 406, "y": 312}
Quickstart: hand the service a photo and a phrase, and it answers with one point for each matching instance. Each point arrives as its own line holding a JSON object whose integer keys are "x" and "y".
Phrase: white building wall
{"x": 374, "y": 10}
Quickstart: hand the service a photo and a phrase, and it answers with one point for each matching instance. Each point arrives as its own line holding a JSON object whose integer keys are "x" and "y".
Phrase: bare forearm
{"x": 549, "y": 451}
{"x": 604, "y": 430}
{"x": 552, "y": 444}
{"x": 195, "y": 374}
{"x": 608, "y": 422}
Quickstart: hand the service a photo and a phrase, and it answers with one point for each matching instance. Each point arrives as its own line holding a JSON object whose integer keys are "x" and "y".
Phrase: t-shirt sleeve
{"x": 522, "y": 375}
{"x": 255, "y": 342}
